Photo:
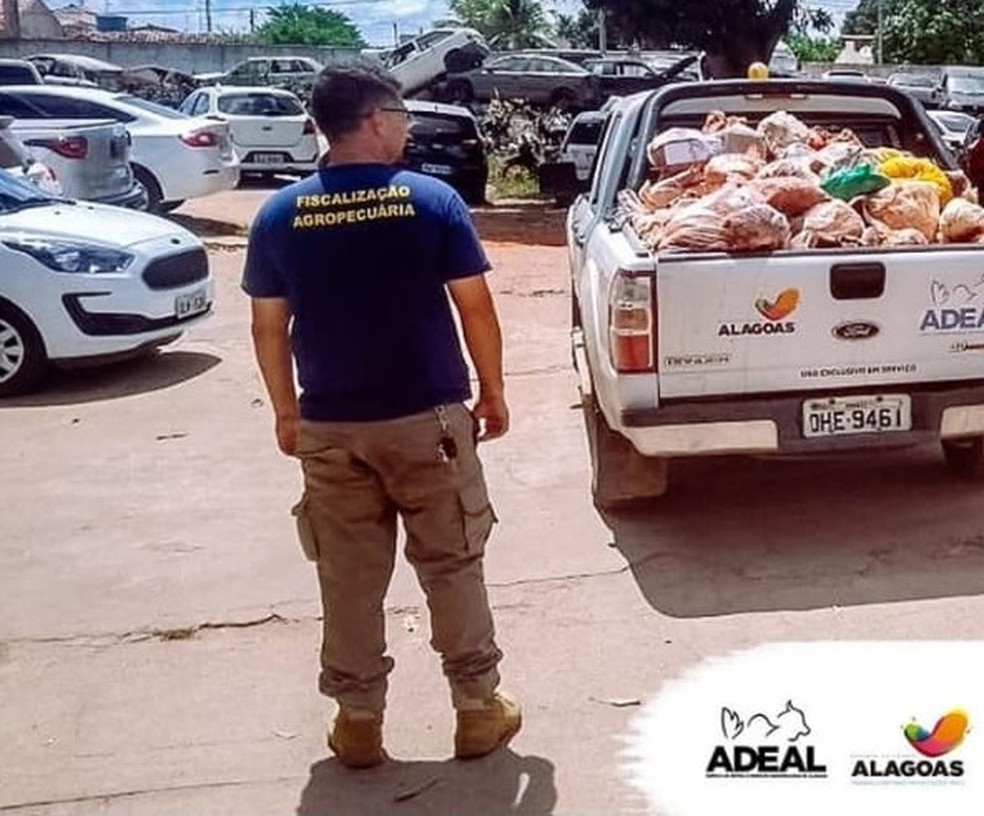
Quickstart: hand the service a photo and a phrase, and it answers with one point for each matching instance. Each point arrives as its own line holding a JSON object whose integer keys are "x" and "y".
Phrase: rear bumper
{"x": 135, "y": 198}
{"x": 774, "y": 424}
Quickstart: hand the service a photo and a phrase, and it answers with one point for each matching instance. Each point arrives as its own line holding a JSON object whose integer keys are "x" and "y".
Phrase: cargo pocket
{"x": 477, "y": 515}
{"x": 305, "y": 528}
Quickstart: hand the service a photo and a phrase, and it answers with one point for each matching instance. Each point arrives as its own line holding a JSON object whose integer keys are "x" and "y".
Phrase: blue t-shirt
{"x": 362, "y": 253}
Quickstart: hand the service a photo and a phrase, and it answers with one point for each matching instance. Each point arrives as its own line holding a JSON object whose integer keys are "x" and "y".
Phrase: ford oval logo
{"x": 856, "y": 330}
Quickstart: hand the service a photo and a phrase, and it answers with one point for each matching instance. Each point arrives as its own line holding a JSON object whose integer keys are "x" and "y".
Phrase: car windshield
{"x": 967, "y": 84}
{"x": 256, "y": 104}
{"x": 18, "y": 195}
{"x": 436, "y": 126}
{"x": 151, "y": 107}
{"x": 912, "y": 81}
{"x": 954, "y": 121}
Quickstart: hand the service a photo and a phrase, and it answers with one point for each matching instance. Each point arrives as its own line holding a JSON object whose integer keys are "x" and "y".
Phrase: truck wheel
{"x": 23, "y": 361}
{"x": 620, "y": 475}
{"x": 460, "y": 92}
{"x": 457, "y": 61}
{"x": 965, "y": 457}
{"x": 154, "y": 196}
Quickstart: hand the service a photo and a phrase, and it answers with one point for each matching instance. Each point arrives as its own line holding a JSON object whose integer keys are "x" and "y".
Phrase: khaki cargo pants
{"x": 358, "y": 477}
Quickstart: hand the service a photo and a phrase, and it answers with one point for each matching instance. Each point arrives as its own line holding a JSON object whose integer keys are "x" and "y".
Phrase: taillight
{"x": 70, "y": 147}
{"x": 200, "y": 138}
{"x": 309, "y": 127}
{"x": 631, "y": 325}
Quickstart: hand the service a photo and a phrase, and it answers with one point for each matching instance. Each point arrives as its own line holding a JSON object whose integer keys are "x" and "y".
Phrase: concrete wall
{"x": 193, "y": 58}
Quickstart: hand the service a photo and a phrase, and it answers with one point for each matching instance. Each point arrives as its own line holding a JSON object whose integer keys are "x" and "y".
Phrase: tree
{"x": 297, "y": 24}
{"x": 931, "y": 32}
{"x": 505, "y": 23}
{"x": 864, "y": 19}
{"x": 733, "y": 33}
{"x": 581, "y": 31}
{"x": 813, "y": 49}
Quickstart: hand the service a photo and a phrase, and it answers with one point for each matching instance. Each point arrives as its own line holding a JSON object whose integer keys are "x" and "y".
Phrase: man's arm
{"x": 483, "y": 337}
{"x": 271, "y": 344}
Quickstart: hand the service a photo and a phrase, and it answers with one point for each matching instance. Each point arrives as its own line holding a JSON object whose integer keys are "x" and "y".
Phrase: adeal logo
{"x": 765, "y": 745}
{"x": 774, "y": 314}
{"x": 946, "y": 736}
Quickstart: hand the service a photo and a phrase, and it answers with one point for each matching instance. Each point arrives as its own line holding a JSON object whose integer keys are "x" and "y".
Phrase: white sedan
{"x": 271, "y": 131}
{"x": 81, "y": 282}
{"x": 174, "y": 156}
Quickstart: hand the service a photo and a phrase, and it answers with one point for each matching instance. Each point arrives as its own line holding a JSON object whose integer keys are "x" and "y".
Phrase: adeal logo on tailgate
{"x": 774, "y": 313}
{"x": 956, "y": 307}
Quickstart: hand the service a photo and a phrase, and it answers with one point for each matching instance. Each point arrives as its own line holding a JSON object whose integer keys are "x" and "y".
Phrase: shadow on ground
{"x": 210, "y": 227}
{"x": 500, "y": 784}
{"x": 521, "y": 222}
{"x": 740, "y": 534}
{"x": 149, "y": 372}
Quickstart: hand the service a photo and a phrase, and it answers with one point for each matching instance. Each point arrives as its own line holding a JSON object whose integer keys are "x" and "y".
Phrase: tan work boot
{"x": 483, "y": 729}
{"x": 357, "y": 739}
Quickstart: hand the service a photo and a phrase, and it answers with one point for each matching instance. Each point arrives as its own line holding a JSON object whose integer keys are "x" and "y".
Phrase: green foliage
{"x": 933, "y": 32}
{"x": 297, "y": 24}
{"x": 864, "y": 19}
{"x": 505, "y": 23}
{"x": 813, "y": 49}
{"x": 581, "y": 31}
{"x": 733, "y": 33}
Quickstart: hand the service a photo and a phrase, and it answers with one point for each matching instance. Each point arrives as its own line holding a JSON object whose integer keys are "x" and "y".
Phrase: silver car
{"x": 539, "y": 79}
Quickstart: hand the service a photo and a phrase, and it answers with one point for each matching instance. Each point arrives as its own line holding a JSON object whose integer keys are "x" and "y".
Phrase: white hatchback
{"x": 271, "y": 131}
{"x": 174, "y": 156}
{"x": 82, "y": 282}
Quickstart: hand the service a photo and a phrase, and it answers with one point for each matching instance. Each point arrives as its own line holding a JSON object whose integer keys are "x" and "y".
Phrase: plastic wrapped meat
{"x": 677, "y": 149}
{"x": 733, "y": 219}
{"x": 731, "y": 167}
{"x": 961, "y": 221}
{"x": 650, "y": 226}
{"x": 660, "y": 194}
{"x": 961, "y": 185}
{"x": 880, "y": 235}
{"x": 913, "y": 168}
{"x": 791, "y": 195}
{"x": 798, "y": 168}
{"x": 830, "y": 224}
{"x": 906, "y": 204}
{"x": 780, "y": 130}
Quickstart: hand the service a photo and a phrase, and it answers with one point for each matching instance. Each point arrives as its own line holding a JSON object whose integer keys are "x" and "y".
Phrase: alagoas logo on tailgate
{"x": 773, "y": 313}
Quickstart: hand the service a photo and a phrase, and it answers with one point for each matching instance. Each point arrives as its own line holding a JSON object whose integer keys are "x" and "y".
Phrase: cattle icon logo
{"x": 947, "y": 734}
{"x": 787, "y": 726}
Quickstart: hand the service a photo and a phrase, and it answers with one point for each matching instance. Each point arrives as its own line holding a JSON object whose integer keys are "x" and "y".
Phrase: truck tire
{"x": 460, "y": 92}
{"x": 965, "y": 457}
{"x": 620, "y": 475}
{"x": 457, "y": 61}
{"x": 23, "y": 361}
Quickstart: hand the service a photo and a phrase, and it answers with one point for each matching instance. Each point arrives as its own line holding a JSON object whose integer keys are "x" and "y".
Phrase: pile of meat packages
{"x": 782, "y": 185}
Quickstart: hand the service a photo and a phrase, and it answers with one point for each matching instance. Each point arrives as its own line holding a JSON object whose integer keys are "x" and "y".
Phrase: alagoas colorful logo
{"x": 773, "y": 313}
{"x": 783, "y": 306}
{"x": 947, "y": 734}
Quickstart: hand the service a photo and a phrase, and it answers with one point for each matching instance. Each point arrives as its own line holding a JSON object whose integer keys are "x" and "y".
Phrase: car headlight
{"x": 71, "y": 256}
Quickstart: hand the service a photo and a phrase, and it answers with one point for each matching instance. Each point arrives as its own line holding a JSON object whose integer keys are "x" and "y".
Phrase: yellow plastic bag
{"x": 910, "y": 168}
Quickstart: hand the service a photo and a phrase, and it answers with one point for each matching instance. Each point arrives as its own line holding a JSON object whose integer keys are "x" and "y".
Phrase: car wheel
{"x": 965, "y": 457}
{"x": 620, "y": 475}
{"x": 154, "y": 196}
{"x": 563, "y": 99}
{"x": 22, "y": 358}
{"x": 460, "y": 92}
{"x": 457, "y": 61}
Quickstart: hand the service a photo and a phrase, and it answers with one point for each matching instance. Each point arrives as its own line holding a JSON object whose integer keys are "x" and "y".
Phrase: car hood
{"x": 84, "y": 221}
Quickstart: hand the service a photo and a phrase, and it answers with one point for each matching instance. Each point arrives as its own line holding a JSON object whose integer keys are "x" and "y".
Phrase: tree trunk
{"x": 11, "y": 18}
{"x": 737, "y": 53}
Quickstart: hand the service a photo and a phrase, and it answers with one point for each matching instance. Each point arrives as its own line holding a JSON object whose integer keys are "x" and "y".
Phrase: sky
{"x": 378, "y": 20}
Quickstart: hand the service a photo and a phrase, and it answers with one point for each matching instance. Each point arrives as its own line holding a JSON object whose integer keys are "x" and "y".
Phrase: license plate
{"x": 842, "y": 416}
{"x": 268, "y": 158}
{"x": 437, "y": 169}
{"x": 191, "y": 304}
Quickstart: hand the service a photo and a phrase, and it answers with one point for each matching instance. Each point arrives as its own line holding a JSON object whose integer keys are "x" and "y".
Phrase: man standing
{"x": 349, "y": 272}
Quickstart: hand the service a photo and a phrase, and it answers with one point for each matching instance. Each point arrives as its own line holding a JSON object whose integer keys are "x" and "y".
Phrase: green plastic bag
{"x": 855, "y": 181}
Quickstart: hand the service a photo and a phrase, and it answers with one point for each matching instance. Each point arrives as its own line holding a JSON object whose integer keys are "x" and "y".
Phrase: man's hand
{"x": 492, "y": 414}
{"x": 286, "y": 428}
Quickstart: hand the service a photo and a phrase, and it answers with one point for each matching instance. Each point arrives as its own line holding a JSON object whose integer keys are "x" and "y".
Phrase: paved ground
{"x": 159, "y": 627}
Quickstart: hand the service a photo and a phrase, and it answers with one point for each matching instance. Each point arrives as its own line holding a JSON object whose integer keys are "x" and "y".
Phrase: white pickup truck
{"x": 791, "y": 351}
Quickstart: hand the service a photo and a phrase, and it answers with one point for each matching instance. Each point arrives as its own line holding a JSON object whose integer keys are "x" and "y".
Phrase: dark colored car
{"x": 972, "y": 156}
{"x": 621, "y": 76}
{"x": 445, "y": 142}
{"x": 540, "y": 80}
